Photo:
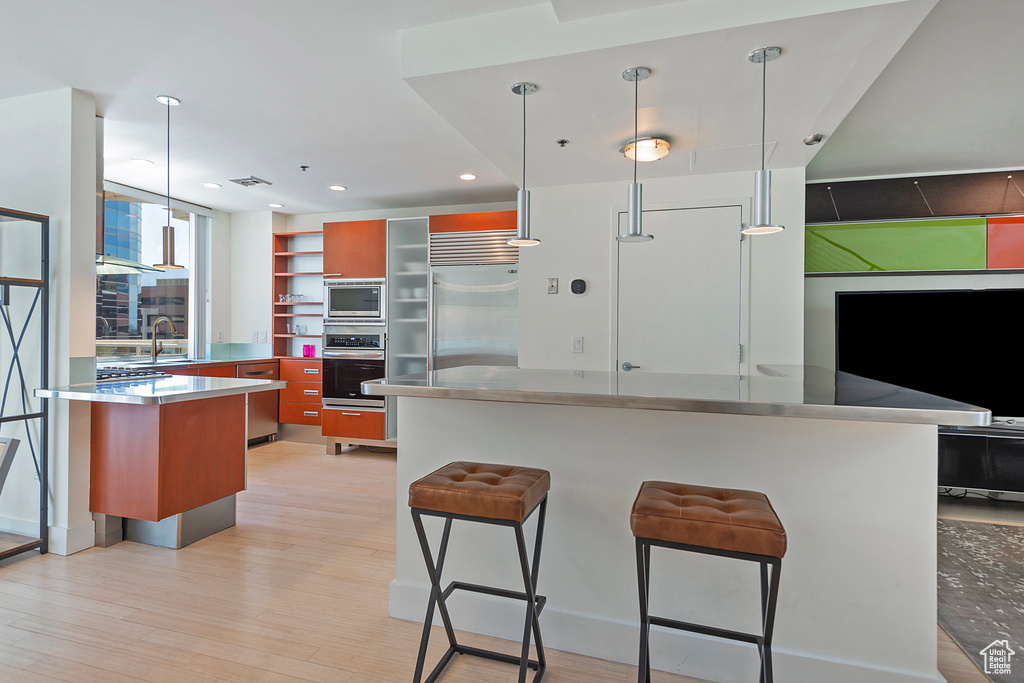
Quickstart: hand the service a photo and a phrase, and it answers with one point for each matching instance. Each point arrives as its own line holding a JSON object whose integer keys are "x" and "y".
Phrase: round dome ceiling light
{"x": 646, "y": 149}
{"x": 467, "y": 176}
{"x": 212, "y": 186}
{"x": 276, "y": 206}
{"x": 338, "y": 188}
{"x": 168, "y": 100}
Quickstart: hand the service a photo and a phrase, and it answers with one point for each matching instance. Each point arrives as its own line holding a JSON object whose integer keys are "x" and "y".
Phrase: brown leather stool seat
{"x": 493, "y": 495}
{"x": 477, "y": 489}
{"x": 730, "y": 523}
{"x": 724, "y": 519}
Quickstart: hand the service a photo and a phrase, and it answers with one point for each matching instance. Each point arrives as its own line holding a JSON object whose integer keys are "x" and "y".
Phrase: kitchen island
{"x": 167, "y": 453}
{"x": 848, "y": 463}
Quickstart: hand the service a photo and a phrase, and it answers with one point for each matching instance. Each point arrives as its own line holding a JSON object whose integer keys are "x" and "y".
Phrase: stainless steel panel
{"x": 474, "y": 315}
{"x": 263, "y": 406}
{"x": 472, "y": 247}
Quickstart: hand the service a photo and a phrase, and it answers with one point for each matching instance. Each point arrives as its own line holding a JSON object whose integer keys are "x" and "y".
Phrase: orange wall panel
{"x": 1006, "y": 242}
{"x": 469, "y": 222}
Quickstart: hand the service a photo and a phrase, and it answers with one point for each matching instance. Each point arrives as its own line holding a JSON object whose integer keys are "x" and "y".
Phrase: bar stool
{"x": 501, "y": 495}
{"x": 701, "y": 519}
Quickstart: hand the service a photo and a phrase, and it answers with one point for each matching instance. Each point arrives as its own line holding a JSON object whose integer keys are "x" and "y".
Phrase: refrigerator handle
{"x": 431, "y": 322}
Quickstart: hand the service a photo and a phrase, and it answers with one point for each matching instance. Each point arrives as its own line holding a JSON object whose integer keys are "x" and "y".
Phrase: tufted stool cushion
{"x": 723, "y": 519}
{"x": 481, "y": 490}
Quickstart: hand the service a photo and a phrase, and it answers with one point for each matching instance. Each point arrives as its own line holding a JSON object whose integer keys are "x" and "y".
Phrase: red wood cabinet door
{"x": 353, "y": 423}
{"x": 355, "y": 249}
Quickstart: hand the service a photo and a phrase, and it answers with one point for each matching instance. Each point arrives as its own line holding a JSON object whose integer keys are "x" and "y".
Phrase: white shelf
{"x": 412, "y": 246}
{"x": 410, "y": 301}
{"x": 419, "y": 273}
{"x": 409, "y": 355}
{"x": 409, "y": 320}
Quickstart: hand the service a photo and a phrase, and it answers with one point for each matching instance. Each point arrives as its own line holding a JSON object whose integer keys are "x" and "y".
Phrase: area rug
{"x": 981, "y": 594}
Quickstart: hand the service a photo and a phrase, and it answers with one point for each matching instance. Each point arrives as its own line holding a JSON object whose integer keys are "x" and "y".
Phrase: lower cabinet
{"x": 354, "y": 423}
{"x": 300, "y": 401}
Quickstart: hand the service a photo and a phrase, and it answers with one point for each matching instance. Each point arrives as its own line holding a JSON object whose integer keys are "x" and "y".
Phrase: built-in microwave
{"x": 354, "y": 302}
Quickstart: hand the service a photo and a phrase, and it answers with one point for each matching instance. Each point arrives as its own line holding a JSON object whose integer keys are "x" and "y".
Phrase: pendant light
{"x": 634, "y": 216}
{"x": 522, "y": 238}
{"x": 168, "y": 260}
{"x": 762, "y": 223}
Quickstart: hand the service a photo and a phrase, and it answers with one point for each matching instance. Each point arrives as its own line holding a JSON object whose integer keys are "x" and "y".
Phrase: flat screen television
{"x": 958, "y": 344}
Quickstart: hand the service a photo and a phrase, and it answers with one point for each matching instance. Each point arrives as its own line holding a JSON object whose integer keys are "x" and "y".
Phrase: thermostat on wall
{"x": 578, "y": 287}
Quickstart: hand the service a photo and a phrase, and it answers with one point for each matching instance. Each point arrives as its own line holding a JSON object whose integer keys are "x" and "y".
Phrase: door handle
{"x": 310, "y": 392}
{"x": 310, "y": 413}
{"x": 311, "y": 371}
{"x": 627, "y": 366}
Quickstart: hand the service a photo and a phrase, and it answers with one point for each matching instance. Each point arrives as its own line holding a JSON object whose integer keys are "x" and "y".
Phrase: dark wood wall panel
{"x": 969, "y": 194}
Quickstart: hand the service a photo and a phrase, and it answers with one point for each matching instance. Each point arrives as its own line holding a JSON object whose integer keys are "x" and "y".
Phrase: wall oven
{"x": 354, "y": 302}
{"x": 352, "y": 355}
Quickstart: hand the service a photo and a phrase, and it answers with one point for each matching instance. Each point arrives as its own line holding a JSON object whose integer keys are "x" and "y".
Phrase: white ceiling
{"x": 267, "y": 86}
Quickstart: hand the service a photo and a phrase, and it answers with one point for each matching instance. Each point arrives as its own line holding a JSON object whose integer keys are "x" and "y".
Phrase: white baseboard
{"x": 671, "y": 651}
{"x": 68, "y": 541}
{"x": 22, "y": 527}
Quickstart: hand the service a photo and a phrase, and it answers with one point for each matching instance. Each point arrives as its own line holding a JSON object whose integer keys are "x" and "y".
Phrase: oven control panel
{"x": 356, "y": 341}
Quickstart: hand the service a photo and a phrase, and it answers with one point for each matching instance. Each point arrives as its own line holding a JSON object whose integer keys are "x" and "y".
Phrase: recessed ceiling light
{"x": 338, "y": 188}
{"x": 276, "y": 206}
{"x": 467, "y": 176}
{"x": 212, "y": 186}
{"x": 142, "y": 162}
{"x": 650, "y": 149}
{"x": 167, "y": 100}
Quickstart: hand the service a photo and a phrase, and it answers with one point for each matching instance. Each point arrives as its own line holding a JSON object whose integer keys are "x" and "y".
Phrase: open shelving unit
{"x": 298, "y": 270}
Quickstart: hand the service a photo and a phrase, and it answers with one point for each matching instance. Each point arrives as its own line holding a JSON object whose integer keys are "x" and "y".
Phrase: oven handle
{"x": 350, "y": 410}
{"x": 353, "y": 354}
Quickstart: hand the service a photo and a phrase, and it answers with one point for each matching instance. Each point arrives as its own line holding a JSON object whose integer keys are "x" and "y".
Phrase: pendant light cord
{"x": 764, "y": 99}
{"x": 636, "y": 120}
{"x": 524, "y": 136}
{"x": 168, "y": 162}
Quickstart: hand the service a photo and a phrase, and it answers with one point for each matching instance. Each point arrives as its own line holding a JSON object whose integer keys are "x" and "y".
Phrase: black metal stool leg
{"x": 436, "y": 598}
{"x": 531, "y": 603}
{"x": 538, "y": 641}
{"x": 643, "y": 580}
{"x": 769, "y": 619}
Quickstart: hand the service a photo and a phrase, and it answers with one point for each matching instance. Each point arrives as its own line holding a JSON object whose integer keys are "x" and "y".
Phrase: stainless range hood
{"x": 109, "y": 265}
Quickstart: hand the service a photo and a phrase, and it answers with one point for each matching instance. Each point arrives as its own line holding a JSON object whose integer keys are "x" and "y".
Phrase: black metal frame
{"x": 534, "y": 603}
{"x": 769, "y": 598}
{"x": 42, "y": 301}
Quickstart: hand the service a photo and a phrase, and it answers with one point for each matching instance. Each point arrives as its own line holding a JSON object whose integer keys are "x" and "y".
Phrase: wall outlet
{"x": 577, "y": 344}
{"x": 255, "y": 337}
{"x": 552, "y": 285}
{"x": 220, "y": 336}
{"x": 263, "y": 337}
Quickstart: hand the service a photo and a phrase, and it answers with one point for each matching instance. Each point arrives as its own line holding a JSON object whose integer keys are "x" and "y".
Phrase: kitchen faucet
{"x": 155, "y": 351}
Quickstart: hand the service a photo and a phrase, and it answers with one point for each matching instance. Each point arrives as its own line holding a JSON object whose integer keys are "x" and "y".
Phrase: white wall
{"x": 251, "y": 269}
{"x": 219, "y": 306}
{"x": 577, "y": 225}
{"x": 48, "y": 167}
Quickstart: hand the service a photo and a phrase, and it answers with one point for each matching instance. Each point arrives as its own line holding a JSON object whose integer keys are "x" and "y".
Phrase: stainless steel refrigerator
{"x": 474, "y": 315}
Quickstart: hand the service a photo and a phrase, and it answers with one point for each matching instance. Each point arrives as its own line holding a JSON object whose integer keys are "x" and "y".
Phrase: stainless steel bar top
{"x": 778, "y": 391}
{"x": 169, "y": 389}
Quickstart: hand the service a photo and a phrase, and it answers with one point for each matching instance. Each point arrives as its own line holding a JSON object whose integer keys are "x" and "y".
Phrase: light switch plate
{"x": 255, "y": 337}
{"x": 577, "y": 344}
{"x": 552, "y": 285}
{"x": 263, "y": 337}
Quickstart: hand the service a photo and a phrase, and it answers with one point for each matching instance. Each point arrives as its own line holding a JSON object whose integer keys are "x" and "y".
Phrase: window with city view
{"x": 127, "y": 305}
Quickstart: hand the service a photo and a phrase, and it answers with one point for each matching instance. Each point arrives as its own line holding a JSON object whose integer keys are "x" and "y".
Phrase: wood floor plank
{"x": 296, "y": 591}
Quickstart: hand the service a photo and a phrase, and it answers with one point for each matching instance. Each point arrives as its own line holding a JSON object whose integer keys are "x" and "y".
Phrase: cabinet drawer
{"x": 301, "y": 392}
{"x": 222, "y": 371}
{"x": 353, "y": 423}
{"x": 181, "y": 371}
{"x": 301, "y": 370}
{"x": 299, "y": 413}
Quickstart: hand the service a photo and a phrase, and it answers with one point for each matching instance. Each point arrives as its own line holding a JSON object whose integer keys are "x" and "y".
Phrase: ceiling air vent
{"x": 251, "y": 181}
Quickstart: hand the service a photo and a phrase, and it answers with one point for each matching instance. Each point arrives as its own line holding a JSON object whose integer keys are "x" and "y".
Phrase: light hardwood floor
{"x": 297, "y": 591}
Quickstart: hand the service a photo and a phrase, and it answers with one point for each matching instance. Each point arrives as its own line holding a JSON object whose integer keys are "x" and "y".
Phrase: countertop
{"x": 783, "y": 391}
{"x": 160, "y": 390}
{"x": 171, "y": 362}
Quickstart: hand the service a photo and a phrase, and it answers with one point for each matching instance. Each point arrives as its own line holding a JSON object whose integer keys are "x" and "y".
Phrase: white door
{"x": 679, "y": 300}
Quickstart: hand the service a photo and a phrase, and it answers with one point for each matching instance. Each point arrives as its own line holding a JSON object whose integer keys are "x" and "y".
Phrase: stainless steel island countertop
{"x": 160, "y": 390}
{"x": 781, "y": 391}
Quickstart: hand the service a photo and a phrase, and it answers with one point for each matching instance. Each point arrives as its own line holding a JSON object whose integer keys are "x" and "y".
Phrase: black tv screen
{"x": 958, "y": 344}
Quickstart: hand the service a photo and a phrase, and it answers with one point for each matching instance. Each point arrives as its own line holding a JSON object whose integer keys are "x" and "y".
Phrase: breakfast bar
{"x": 848, "y": 463}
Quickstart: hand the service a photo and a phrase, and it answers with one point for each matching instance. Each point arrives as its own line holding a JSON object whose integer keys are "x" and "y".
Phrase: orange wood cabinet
{"x": 353, "y": 423}
{"x": 153, "y": 461}
{"x": 355, "y": 249}
{"x": 219, "y": 371}
{"x": 297, "y": 406}
{"x": 469, "y": 222}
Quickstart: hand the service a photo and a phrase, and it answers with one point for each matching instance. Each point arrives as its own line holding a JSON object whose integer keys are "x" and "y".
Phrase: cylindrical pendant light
{"x": 634, "y": 207}
{"x": 168, "y": 260}
{"x": 762, "y": 223}
{"x": 522, "y": 238}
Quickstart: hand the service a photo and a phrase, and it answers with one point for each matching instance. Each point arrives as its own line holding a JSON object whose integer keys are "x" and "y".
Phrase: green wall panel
{"x": 956, "y": 244}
